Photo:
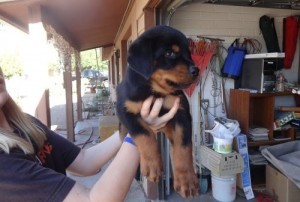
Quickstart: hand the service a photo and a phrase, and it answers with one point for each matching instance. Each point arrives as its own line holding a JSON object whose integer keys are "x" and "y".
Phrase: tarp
{"x": 286, "y": 158}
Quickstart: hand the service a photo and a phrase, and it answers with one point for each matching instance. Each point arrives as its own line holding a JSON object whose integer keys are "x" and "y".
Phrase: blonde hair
{"x": 24, "y": 123}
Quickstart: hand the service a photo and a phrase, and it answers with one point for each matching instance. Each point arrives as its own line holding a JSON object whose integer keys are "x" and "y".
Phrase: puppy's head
{"x": 161, "y": 55}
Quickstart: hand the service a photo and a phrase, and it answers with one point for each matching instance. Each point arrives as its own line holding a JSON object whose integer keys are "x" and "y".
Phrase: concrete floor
{"x": 87, "y": 134}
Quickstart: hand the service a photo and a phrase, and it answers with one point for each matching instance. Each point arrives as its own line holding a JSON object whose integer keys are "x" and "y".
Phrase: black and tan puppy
{"x": 160, "y": 64}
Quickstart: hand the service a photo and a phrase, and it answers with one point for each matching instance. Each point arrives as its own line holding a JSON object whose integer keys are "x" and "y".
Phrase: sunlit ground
{"x": 19, "y": 89}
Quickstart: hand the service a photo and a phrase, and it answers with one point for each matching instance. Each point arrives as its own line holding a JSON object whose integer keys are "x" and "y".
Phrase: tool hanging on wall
{"x": 268, "y": 30}
{"x": 202, "y": 52}
{"x": 205, "y": 136}
{"x": 290, "y": 36}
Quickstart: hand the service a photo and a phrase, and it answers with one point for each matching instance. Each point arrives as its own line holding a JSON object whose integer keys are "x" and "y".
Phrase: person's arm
{"x": 115, "y": 181}
{"x": 117, "y": 178}
{"x": 89, "y": 161}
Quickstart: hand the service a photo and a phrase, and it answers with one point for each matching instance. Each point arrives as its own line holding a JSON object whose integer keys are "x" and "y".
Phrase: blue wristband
{"x": 129, "y": 140}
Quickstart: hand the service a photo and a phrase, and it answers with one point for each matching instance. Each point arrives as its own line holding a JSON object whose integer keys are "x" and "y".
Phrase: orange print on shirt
{"x": 42, "y": 154}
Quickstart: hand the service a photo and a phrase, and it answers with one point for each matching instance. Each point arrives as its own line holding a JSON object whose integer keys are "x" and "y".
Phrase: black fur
{"x": 146, "y": 54}
{"x": 160, "y": 64}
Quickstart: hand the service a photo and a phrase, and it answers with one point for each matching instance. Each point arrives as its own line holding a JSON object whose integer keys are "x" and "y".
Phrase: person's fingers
{"x": 166, "y": 117}
{"x": 175, "y": 107}
{"x": 161, "y": 125}
{"x": 156, "y": 108}
{"x": 145, "y": 110}
{"x": 151, "y": 116}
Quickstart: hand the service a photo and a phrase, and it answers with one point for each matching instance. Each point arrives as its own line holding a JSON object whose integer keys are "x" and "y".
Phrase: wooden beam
{"x": 14, "y": 22}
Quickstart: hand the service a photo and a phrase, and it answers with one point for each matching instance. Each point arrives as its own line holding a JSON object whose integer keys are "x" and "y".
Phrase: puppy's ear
{"x": 140, "y": 57}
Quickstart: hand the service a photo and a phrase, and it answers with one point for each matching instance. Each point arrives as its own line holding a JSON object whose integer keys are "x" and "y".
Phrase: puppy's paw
{"x": 186, "y": 183}
{"x": 151, "y": 168}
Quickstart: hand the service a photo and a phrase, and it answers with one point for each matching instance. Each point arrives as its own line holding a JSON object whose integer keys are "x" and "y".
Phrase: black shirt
{"x": 39, "y": 177}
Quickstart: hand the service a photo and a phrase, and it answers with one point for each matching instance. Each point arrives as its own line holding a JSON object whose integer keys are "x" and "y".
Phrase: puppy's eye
{"x": 170, "y": 54}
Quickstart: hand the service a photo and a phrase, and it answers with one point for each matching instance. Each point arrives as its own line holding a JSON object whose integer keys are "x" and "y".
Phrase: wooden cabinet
{"x": 255, "y": 109}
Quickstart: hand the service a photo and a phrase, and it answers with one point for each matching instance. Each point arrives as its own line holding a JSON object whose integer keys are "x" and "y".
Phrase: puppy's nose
{"x": 194, "y": 70}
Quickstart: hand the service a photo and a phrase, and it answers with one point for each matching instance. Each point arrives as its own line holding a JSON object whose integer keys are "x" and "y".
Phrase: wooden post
{"x": 78, "y": 85}
{"x": 69, "y": 99}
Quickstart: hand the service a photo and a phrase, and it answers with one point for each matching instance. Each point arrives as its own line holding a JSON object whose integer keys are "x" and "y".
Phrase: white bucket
{"x": 223, "y": 146}
{"x": 224, "y": 188}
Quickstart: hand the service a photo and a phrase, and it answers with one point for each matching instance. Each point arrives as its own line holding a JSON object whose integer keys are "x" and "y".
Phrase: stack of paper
{"x": 256, "y": 158}
{"x": 258, "y": 134}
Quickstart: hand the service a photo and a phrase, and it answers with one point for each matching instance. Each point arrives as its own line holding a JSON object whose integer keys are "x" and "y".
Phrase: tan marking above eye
{"x": 133, "y": 107}
{"x": 175, "y": 48}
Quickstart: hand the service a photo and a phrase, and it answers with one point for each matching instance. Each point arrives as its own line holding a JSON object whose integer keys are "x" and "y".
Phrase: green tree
{"x": 90, "y": 60}
{"x": 11, "y": 64}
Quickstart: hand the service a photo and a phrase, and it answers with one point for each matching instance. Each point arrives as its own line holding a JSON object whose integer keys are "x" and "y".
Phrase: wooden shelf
{"x": 269, "y": 94}
{"x": 256, "y": 109}
{"x": 266, "y": 142}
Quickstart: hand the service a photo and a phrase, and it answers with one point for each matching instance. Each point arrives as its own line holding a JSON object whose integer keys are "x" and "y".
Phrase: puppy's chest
{"x": 136, "y": 106}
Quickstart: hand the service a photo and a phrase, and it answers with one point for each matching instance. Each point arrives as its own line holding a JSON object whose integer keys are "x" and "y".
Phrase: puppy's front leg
{"x": 151, "y": 163}
{"x": 185, "y": 179}
{"x": 145, "y": 139}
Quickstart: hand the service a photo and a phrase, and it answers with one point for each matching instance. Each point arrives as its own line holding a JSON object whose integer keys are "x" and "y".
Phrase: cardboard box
{"x": 278, "y": 185}
{"x": 221, "y": 164}
{"x": 108, "y": 125}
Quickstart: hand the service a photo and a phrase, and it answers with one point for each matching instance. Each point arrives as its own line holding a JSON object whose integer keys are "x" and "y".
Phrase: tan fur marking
{"x": 176, "y": 48}
{"x": 168, "y": 131}
{"x": 185, "y": 179}
{"x": 169, "y": 101}
{"x": 178, "y": 74}
{"x": 150, "y": 158}
{"x": 147, "y": 145}
{"x": 133, "y": 107}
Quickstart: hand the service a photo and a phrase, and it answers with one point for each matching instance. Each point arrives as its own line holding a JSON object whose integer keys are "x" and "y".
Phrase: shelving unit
{"x": 256, "y": 109}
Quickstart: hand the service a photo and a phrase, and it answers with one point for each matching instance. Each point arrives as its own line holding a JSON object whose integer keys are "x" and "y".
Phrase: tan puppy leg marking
{"x": 150, "y": 158}
{"x": 185, "y": 179}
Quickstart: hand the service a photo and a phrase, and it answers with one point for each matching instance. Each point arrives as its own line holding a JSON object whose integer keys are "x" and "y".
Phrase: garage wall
{"x": 228, "y": 23}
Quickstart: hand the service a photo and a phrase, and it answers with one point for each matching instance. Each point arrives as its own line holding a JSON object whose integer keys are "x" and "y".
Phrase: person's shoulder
{"x": 38, "y": 123}
{"x": 33, "y": 119}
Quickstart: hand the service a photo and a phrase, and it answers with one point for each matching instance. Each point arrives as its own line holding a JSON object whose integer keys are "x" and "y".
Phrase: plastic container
{"x": 223, "y": 146}
{"x": 224, "y": 188}
{"x": 225, "y": 128}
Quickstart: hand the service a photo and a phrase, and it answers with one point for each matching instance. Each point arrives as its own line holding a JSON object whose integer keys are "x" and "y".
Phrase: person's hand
{"x": 151, "y": 116}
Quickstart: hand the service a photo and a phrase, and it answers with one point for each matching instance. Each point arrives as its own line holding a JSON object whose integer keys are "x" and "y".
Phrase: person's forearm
{"x": 116, "y": 180}
{"x": 89, "y": 161}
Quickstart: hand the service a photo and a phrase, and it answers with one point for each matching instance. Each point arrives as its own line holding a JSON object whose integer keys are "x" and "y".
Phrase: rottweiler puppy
{"x": 160, "y": 64}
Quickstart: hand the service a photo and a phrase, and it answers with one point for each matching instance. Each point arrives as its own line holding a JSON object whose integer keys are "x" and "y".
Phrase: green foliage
{"x": 105, "y": 92}
{"x": 90, "y": 60}
{"x": 54, "y": 63}
{"x": 103, "y": 65}
{"x": 11, "y": 64}
{"x": 54, "y": 67}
